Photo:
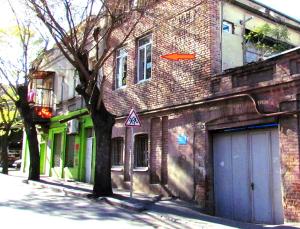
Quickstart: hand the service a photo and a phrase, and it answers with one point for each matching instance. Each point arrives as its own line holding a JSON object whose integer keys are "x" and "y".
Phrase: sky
{"x": 288, "y": 7}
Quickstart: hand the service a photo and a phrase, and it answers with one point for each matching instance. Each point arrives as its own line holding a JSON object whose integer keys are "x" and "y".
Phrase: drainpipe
{"x": 220, "y": 99}
{"x": 221, "y": 32}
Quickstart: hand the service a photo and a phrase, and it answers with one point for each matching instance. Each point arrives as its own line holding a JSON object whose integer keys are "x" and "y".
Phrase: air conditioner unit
{"x": 73, "y": 126}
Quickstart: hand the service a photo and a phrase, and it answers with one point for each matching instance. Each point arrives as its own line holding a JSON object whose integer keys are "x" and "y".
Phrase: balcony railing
{"x": 40, "y": 93}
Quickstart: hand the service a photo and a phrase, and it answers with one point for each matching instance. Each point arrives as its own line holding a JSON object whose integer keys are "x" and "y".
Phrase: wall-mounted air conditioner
{"x": 73, "y": 126}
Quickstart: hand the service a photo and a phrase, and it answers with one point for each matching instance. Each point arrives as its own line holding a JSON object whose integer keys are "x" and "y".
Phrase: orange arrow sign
{"x": 179, "y": 56}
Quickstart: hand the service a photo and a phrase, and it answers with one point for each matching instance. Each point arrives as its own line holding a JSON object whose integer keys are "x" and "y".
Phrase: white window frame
{"x": 230, "y": 25}
{"x": 144, "y": 46}
{"x": 76, "y": 81}
{"x": 121, "y": 55}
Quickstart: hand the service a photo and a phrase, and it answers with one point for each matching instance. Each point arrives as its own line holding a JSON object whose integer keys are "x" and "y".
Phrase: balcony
{"x": 40, "y": 95}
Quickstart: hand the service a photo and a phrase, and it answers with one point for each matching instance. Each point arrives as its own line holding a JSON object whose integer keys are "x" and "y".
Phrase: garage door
{"x": 247, "y": 180}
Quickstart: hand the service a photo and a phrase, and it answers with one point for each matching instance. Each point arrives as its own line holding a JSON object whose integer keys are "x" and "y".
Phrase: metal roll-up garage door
{"x": 247, "y": 179}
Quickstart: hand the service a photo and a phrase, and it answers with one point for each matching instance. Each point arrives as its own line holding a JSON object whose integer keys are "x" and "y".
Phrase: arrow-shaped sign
{"x": 179, "y": 56}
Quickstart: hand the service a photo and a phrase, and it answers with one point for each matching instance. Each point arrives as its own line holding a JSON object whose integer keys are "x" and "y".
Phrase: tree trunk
{"x": 4, "y": 153}
{"x": 27, "y": 113}
{"x": 103, "y": 123}
{"x": 34, "y": 167}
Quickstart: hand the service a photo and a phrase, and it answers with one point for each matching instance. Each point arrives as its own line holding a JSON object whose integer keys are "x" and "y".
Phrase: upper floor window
{"x": 141, "y": 150}
{"x": 144, "y": 58}
{"x": 228, "y": 27}
{"x": 117, "y": 145}
{"x": 121, "y": 68}
{"x": 76, "y": 81}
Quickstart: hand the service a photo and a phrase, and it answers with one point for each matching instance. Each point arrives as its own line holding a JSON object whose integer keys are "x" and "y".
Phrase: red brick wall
{"x": 165, "y": 151}
{"x": 155, "y": 150}
{"x": 176, "y": 26}
{"x": 290, "y": 167}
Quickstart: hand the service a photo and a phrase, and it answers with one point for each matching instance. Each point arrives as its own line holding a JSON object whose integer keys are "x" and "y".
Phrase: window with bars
{"x": 57, "y": 149}
{"x": 117, "y": 149}
{"x": 70, "y": 148}
{"x": 141, "y": 150}
{"x": 144, "y": 58}
{"x": 121, "y": 68}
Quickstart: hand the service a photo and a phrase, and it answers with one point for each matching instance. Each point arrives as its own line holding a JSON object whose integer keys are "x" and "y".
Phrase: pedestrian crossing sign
{"x": 132, "y": 119}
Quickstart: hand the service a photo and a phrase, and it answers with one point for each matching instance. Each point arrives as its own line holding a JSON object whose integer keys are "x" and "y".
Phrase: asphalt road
{"x": 25, "y": 206}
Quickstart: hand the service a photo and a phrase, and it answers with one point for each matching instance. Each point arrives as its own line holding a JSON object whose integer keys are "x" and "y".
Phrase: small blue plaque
{"x": 182, "y": 139}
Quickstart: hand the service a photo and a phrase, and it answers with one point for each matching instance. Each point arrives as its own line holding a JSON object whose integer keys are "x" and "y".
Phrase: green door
{"x": 57, "y": 155}
{"x": 42, "y": 157}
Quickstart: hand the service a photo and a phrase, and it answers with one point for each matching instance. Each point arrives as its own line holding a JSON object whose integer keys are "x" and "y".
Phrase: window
{"x": 42, "y": 90}
{"x": 121, "y": 68}
{"x": 117, "y": 146}
{"x": 141, "y": 150}
{"x": 69, "y": 157}
{"x": 252, "y": 54}
{"x": 138, "y": 3}
{"x": 227, "y": 27}
{"x": 57, "y": 150}
{"x": 144, "y": 58}
{"x": 76, "y": 81}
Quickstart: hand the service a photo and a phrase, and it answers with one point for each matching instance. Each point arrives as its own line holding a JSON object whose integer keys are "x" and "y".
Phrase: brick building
{"x": 226, "y": 139}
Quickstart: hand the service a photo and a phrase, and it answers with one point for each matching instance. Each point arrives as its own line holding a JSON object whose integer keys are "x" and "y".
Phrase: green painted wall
{"x": 58, "y": 125}
{"x": 85, "y": 124}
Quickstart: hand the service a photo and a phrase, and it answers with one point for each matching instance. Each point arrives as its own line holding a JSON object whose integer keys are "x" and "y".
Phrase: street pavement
{"x": 25, "y": 206}
{"x": 64, "y": 204}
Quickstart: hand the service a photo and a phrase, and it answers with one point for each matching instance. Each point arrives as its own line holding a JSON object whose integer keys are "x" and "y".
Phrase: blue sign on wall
{"x": 182, "y": 139}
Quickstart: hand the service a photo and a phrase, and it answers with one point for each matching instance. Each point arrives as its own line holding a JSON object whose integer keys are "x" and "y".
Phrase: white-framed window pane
{"x": 148, "y": 61}
{"x": 121, "y": 68}
{"x": 144, "y": 58}
{"x": 76, "y": 81}
{"x": 227, "y": 27}
{"x": 118, "y": 72}
{"x": 145, "y": 40}
{"x": 121, "y": 52}
{"x": 141, "y": 64}
{"x": 124, "y": 71}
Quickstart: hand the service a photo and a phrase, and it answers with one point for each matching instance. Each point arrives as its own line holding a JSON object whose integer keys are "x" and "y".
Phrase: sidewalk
{"x": 121, "y": 198}
{"x": 176, "y": 213}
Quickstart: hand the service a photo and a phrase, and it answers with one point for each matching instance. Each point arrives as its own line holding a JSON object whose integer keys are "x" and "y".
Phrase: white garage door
{"x": 247, "y": 180}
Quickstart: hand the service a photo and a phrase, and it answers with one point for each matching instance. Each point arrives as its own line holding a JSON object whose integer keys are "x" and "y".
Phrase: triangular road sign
{"x": 132, "y": 119}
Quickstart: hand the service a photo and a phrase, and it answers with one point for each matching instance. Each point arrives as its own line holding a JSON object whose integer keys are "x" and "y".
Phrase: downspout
{"x": 221, "y": 33}
{"x": 262, "y": 114}
{"x": 188, "y": 105}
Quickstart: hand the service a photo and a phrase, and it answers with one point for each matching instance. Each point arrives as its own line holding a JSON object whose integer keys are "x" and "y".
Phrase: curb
{"x": 137, "y": 207}
{"x": 123, "y": 204}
